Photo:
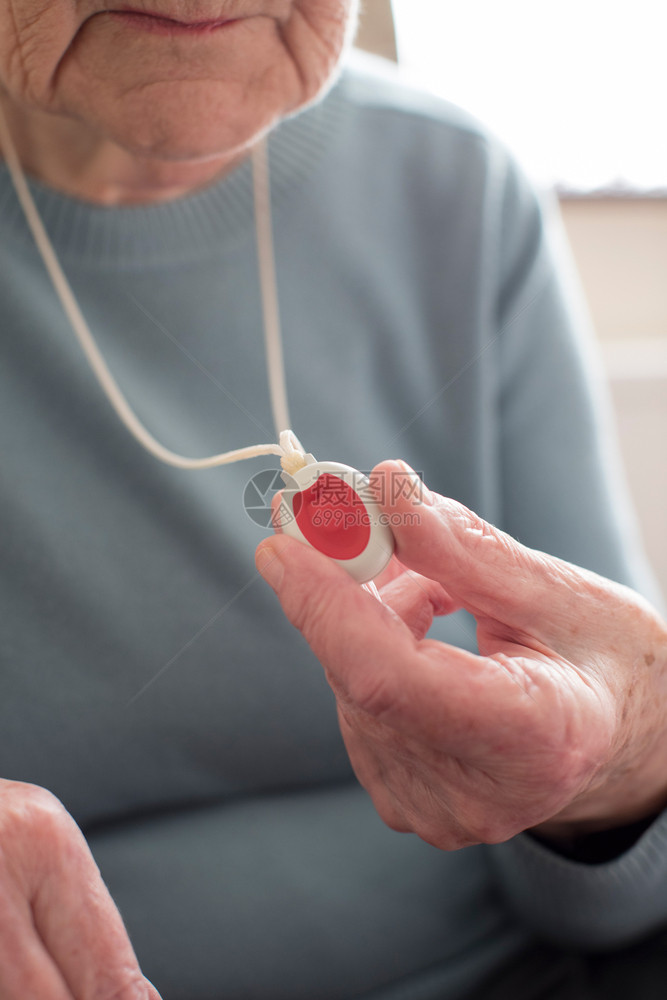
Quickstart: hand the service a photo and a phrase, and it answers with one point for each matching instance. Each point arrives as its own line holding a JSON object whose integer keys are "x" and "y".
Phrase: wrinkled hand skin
{"x": 61, "y": 936}
{"x": 559, "y": 725}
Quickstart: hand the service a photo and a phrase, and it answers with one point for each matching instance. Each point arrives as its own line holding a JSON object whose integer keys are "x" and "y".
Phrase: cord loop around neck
{"x": 290, "y": 451}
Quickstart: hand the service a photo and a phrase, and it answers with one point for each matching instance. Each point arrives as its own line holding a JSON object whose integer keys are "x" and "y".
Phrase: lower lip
{"x": 164, "y": 26}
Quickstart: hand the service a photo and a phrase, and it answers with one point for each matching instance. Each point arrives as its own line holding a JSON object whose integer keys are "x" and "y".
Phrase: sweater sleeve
{"x": 562, "y": 486}
{"x": 588, "y": 906}
{"x": 563, "y": 492}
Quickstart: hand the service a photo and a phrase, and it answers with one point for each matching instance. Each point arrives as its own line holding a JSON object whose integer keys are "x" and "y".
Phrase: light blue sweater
{"x": 148, "y": 677}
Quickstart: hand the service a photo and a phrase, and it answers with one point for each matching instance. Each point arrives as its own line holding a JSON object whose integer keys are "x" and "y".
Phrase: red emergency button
{"x": 332, "y": 518}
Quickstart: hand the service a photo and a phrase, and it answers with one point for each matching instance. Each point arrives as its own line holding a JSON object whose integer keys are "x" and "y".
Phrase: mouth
{"x": 160, "y": 24}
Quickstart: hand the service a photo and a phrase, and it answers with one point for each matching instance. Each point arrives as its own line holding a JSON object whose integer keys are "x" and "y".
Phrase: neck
{"x": 64, "y": 155}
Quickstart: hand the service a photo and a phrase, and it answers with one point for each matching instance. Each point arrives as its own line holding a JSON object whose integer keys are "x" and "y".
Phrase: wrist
{"x": 633, "y": 795}
{"x": 597, "y": 847}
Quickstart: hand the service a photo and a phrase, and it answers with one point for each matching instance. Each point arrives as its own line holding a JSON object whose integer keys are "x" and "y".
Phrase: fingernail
{"x": 419, "y": 491}
{"x": 270, "y": 566}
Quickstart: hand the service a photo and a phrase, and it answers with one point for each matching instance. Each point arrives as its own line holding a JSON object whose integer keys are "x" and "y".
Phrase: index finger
{"x": 490, "y": 573}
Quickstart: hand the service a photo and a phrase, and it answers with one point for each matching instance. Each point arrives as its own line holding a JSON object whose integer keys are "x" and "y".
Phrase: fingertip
{"x": 443, "y": 603}
{"x": 282, "y": 554}
{"x": 277, "y": 544}
{"x": 268, "y": 560}
{"x": 396, "y": 486}
{"x": 394, "y": 463}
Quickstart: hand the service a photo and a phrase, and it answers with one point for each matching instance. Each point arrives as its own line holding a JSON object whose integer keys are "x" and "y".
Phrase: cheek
{"x": 315, "y": 36}
{"x": 34, "y": 36}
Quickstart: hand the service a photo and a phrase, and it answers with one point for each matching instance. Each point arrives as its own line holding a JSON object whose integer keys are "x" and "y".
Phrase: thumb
{"x": 483, "y": 569}
{"x": 373, "y": 659}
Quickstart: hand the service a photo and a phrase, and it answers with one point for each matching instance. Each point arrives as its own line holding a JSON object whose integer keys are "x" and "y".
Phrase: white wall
{"x": 620, "y": 247}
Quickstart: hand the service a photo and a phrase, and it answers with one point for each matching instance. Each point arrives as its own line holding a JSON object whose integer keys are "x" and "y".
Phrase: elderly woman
{"x": 148, "y": 680}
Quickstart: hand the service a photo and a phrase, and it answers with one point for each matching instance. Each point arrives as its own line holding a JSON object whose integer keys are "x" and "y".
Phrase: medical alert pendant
{"x": 331, "y": 507}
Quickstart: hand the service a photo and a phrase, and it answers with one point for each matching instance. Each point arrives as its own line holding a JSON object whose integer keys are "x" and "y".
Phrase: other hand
{"x": 61, "y": 936}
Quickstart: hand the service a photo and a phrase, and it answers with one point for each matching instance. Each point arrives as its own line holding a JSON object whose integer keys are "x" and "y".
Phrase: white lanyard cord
{"x": 289, "y": 448}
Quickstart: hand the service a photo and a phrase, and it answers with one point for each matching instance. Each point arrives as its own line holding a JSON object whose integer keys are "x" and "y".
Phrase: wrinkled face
{"x": 176, "y": 79}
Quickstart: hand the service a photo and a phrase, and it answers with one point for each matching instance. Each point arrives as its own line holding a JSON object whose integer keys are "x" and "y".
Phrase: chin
{"x": 195, "y": 142}
{"x": 194, "y": 122}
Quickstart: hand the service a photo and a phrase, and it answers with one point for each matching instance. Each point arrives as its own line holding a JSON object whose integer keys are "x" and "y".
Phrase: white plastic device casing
{"x": 380, "y": 545}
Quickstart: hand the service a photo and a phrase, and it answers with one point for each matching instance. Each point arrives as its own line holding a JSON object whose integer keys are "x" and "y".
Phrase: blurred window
{"x": 577, "y": 88}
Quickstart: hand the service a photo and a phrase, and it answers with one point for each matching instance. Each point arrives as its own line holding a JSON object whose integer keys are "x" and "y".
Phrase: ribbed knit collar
{"x": 184, "y": 229}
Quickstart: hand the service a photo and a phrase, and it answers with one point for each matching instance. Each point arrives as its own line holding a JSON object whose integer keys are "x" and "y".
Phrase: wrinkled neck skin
{"x": 68, "y": 157}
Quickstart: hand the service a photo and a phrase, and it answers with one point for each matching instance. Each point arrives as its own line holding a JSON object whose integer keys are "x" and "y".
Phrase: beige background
{"x": 620, "y": 249}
